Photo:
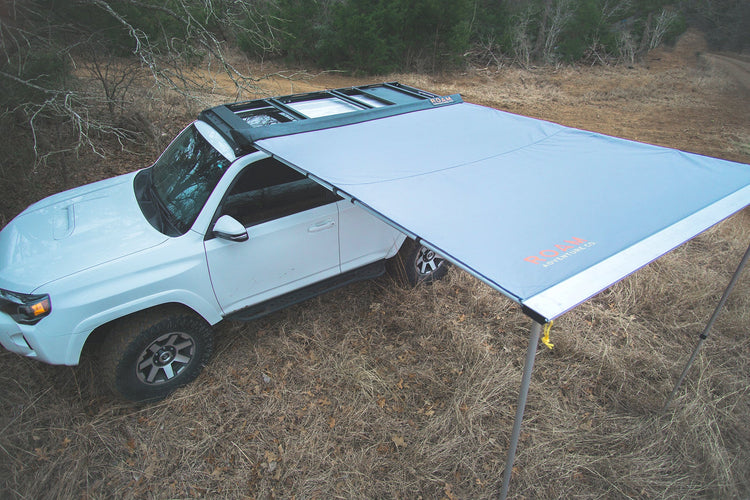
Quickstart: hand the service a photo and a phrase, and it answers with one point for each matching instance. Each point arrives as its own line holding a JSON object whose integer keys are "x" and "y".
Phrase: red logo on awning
{"x": 560, "y": 251}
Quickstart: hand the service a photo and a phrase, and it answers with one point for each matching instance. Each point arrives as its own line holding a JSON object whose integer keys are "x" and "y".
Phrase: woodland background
{"x": 50, "y": 48}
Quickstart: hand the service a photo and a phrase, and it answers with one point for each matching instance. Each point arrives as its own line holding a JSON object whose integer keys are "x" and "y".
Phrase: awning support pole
{"x": 536, "y": 330}
{"x": 704, "y": 335}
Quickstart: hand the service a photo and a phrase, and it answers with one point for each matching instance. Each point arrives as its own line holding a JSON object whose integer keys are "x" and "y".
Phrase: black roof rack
{"x": 243, "y": 123}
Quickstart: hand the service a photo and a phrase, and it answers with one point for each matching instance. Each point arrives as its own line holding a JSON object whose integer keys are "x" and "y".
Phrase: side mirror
{"x": 229, "y": 228}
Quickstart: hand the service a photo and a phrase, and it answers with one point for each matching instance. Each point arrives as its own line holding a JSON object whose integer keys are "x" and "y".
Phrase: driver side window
{"x": 268, "y": 190}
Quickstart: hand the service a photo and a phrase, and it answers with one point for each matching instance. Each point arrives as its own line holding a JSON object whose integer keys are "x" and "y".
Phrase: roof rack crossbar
{"x": 286, "y": 109}
{"x": 349, "y": 99}
{"x": 372, "y": 96}
{"x": 405, "y": 89}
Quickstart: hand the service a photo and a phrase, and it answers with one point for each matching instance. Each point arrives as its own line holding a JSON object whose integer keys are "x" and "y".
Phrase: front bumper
{"x": 31, "y": 341}
{"x": 11, "y": 337}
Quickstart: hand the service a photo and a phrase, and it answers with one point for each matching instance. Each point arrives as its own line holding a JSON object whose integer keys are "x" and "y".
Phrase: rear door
{"x": 292, "y": 223}
{"x": 364, "y": 238}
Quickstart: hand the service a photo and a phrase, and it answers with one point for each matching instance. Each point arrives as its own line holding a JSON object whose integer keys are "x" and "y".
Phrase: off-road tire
{"x": 146, "y": 356}
{"x": 415, "y": 264}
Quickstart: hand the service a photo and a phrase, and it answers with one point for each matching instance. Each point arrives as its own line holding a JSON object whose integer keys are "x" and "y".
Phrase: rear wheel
{"x": 147, "y": 356}
{"x": 416, "y": 264}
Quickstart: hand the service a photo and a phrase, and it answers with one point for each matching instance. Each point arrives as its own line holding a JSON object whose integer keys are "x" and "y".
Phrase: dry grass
{"x": 382, "y": 392}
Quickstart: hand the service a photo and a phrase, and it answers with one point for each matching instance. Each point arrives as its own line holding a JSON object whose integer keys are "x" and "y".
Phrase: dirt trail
{"x": 735, "y": 66}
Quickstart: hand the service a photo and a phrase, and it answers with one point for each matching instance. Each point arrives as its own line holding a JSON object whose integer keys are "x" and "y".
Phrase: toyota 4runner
{"x": 215, "y": 229}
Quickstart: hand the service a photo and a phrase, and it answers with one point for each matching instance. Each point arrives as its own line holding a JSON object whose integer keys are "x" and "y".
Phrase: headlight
{"x": 25, "y": 308}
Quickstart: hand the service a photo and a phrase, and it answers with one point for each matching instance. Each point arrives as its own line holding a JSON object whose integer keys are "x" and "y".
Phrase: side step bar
{"x": 295, "y": 297}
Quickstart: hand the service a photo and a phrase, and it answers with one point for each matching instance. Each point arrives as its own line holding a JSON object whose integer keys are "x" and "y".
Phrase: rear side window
{"x": 268, "y": 190}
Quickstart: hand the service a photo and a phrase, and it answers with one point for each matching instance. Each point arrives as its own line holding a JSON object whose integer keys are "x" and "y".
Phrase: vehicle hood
{"x": 72, "y": 231}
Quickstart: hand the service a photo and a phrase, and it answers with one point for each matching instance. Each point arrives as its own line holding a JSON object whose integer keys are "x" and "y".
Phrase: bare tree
{"x": 626, "y": 47}
{"x": 611, "y": 9}
{"x": 655, "y": 29}
{"x": 542, "y": 31}
{"x": 47, "y": 103}
{"x": 597, "y": 52}
{"x": 557, "y": 19}
{"x": 38, "y": 101}
{"x": 115, "y": 74}
{"x": 521, "y": 39}
{"x": 643, "y": 47}
{"x": 487, "y": 51}
{"x": 661, "y": 26}
{"x": 166, "y": 60}
{"x": 68, "y": 108}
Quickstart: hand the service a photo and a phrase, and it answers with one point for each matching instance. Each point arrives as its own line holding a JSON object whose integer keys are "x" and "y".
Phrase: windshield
{"x": 185, "y": 175}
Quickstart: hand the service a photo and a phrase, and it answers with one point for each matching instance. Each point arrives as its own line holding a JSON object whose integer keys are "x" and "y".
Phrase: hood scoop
{"x": 63, "y": 222}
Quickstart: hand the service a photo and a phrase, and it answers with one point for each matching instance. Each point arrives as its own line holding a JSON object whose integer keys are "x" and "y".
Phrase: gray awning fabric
{"x": 546, "y": 214}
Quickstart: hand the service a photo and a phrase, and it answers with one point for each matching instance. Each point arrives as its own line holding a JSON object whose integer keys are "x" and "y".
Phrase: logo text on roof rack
{"x": 436, "y": 101}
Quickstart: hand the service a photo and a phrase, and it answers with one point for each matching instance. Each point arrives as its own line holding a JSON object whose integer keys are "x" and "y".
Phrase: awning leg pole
{"x": 704, "y": 334}
{"x": 536, "y": 330}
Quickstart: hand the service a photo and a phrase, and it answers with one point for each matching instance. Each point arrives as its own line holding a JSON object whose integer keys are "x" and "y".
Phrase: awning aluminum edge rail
{"x": 556, "y": 300}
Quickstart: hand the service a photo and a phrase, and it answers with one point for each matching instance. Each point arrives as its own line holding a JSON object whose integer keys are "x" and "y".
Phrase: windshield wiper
{"x": 153, "y": 207}
{"x": 170, "y": 224}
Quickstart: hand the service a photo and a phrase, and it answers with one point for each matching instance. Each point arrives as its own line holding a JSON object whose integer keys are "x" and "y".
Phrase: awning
{"x": 546, "y": 214}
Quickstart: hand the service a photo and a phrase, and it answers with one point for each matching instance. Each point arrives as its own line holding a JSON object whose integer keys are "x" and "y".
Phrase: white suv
{"x": 215, "y": 229}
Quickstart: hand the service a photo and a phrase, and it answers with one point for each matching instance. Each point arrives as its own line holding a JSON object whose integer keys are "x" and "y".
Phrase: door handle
{"x": 321, "y": 226}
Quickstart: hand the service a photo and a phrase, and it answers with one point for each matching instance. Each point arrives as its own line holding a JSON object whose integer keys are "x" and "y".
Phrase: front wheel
{"x": 416, "y": 264}
{"x": 147, "y": 356}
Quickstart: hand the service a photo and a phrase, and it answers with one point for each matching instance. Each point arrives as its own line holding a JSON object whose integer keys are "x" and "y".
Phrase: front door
{"x": 292, "y": 223}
